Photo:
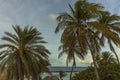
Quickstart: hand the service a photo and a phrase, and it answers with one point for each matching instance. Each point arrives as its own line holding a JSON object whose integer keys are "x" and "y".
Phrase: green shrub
{"x": 106, "y": 72}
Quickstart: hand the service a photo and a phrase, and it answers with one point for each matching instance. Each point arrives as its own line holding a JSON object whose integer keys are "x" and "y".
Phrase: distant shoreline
{"x": 66, "y": 69}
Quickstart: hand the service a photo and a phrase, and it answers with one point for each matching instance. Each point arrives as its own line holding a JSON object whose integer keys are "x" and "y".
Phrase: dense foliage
{"x": 106, "y": 72}
{"x": 108, "y": 68}
{"x": 105, "y": 58}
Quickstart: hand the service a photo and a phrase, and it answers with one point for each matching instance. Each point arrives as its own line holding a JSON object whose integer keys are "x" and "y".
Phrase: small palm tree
{"x": 105, "y": 58}
{"x": 23, "y": 54}
{"x": 71, "y": 51}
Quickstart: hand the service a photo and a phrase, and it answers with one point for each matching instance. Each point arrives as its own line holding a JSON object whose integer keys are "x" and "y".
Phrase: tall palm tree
{"x": 107, "y": 28}
{"x": 76, "y": 29}
{"x": 23, "y": 54}
{"x": 83, "y": 28}
{"x": 105, "y": 58}
{"x": 71, "y": 51}
{"x": 111, "y": 22}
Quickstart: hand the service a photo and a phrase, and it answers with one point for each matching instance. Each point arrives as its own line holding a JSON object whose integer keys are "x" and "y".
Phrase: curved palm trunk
{"x": 113, "y": 50}
{"x": 95, "y": 67}
{"x": 38, "y": 78}
{"x": 28, "y": 78}
{"x": 115, "y": 55}
{"x": 71, "y": 72}
{"x": 74, "y": 64}
{"x": 117, "y": 58}
{"x": 94, "y": 62}
{"x": 93, "y": 57}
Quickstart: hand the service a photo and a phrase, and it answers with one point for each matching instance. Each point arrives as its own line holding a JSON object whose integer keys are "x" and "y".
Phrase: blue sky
{"x": 42, "y": 15}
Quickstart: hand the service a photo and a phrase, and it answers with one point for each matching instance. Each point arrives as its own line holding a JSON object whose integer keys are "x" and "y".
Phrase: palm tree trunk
{"x": 38, "y": 78}
{"x": 93, "y": 57}
{"x": 94, "y": 61}
{"x": 116, "y": 56}
{"x": 71, "y": 72}
{"x": 74, "y": 64}
{"x": 113, "y": 50}
{"x": 28, "y": 78}
{"x": 95, "y": 67}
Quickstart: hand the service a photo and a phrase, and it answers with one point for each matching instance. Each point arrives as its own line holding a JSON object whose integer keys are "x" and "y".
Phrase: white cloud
{"x": 52, "y": 17}
{"x": 87, "y": 61}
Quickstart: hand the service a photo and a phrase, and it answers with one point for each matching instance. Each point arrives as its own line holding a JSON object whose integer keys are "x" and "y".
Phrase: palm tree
{"x": 71, "y": 51}
{"x": 105, "y": 58}
{"x": 81, "y": 28}
{"x": 111, "y": 22}
{"x": 76, "y": 29}
{"x": 23, "y": 54}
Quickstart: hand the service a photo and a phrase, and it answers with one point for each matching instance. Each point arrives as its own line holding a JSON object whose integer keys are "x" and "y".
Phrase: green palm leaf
{"x": 23, "y": 55}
